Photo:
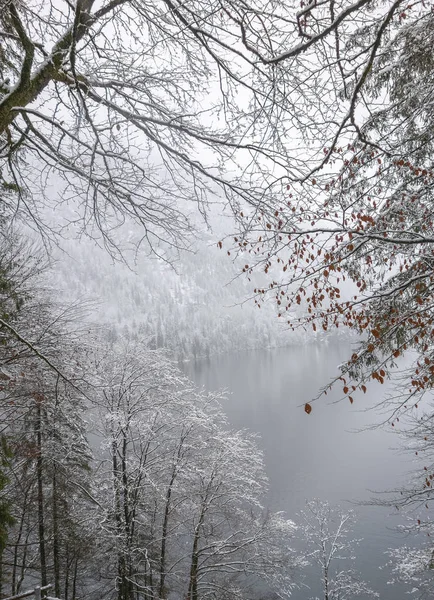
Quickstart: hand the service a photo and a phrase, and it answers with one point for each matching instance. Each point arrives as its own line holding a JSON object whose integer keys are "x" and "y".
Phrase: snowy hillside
{"x": 198, "y": 307}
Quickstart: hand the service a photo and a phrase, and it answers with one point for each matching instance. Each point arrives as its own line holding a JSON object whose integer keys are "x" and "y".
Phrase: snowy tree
{"x": 139, "y": 107}
{"x": 6, "y": 519}
{"x": 331, "y": 547}
{"x": 50, "y": 454}
{"x": 231, "y": 540}
{"x": 317, "y": 123}
{"x": 413, "y": 499}
{"x": 313, "y": 121}
{"x": 41, "y": 423}
{"x": 414, "y": 566}
{"x": 351, "y": 235}
{"x": 182, "y": 492}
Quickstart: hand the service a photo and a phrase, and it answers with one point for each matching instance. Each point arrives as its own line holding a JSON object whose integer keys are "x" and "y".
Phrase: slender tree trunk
{"x": 161, "y": 590}
{"x": 23, "y": 564}
{"x": 128, "y": 567}
{"x": 68, "y": 566}
{"x": 118, "y": 519}
{"x": 1, "y": 574}
{"x": 14, "y": 587}
{"x": 192, "y": 589}
{"x": 56, "y": 541}
{"x": 74, "y": 580}
{"x": 39, "y": 473}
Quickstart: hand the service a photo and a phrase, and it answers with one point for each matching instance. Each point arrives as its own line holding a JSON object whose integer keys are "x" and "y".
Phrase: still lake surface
{"x": 323, "y": 455}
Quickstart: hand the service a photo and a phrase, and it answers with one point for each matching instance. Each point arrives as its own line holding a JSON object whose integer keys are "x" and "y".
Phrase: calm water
{"x": 320, "y": 455}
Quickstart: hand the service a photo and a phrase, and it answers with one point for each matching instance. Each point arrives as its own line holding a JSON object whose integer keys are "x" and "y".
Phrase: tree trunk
{"x": 39, "y": 473}
{"x": 1, "y": 574}
{"x": 120, "y": 525}
{"x": 31, "y": 86}
{"x": 74, "y": 580}
{"x": 128, "y": 567}
{"x": 192, "y": 589}
{"x": 56, "y": 541}
{"x": 14, "y": 586}
{"x": 66, "y": 582}
{"x": 161, "y": 590}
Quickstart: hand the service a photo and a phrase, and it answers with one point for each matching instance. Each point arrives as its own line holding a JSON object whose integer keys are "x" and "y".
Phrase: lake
{"x": 322, "y": 455}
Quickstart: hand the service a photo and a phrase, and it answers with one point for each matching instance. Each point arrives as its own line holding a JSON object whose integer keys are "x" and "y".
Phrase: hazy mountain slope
{"x": 202, "y": 308}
